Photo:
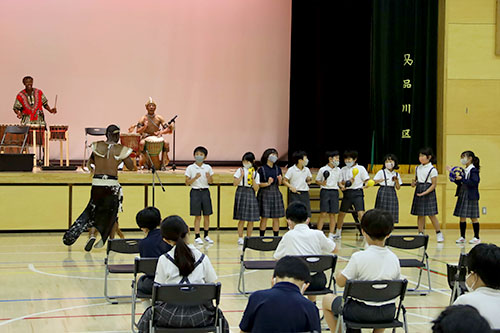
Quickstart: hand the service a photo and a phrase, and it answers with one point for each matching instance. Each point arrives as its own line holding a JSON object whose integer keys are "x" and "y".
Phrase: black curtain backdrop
{"x": 347, "y": 72}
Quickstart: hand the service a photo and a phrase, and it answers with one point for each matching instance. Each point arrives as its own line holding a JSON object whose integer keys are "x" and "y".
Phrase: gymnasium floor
{"x": 48, "y": 287}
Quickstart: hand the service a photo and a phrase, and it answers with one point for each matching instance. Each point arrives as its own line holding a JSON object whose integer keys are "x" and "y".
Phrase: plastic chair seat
{"x": 121, "y": 269}
{"x": 259, "y": 264}
{"x": 187, "y": 330}
{"x": 411, "y": 263}
{"x": 319, "y": 292}
{"x": 143, "y": 295}
{"x": 394, "y": 323}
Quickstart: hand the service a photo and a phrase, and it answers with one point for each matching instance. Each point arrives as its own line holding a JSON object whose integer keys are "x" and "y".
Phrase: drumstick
{"x": 55, "y": 103}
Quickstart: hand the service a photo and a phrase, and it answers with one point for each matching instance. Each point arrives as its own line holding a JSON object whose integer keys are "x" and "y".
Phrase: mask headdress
{"x": 150, "y": 101}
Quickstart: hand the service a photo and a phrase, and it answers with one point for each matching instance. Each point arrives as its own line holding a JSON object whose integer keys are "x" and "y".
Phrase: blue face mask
{"x": 272, "y": 158}
{"x": 199, "y": 158}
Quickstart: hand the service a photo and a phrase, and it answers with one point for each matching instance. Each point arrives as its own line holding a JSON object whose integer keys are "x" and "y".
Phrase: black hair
{"x": 377, "y": 223}
{"x": 149, "y": 217}
{"x": 298, "y": 155}
{"x": 174, "y": 228}
{"x": 266, "y": 153}
{"x": 484, "y": 260}
{"x": 297, "y": 212}
{"x": 393, "y": 158}
{"x": 292, "y": 267}
{"x": 201, "y": 149}
{"x": 427, "y": 151}
{"x": 331, "y": 153}
{"x": 460, "y": 319}
{"x": 249, "y": 156}
{"x": 113, "y": 132}
{"x": 351, "y": 154}
{"x": 27, "y": 78}
{"x": 475, "y": 159}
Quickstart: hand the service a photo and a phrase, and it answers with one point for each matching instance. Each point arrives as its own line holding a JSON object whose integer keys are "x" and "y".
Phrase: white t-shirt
{"x": 168, "y": 273}
{"x": 332, "y": 182}
{"x": 388, "y": 176}
{"x": 244, "y": 181}
{"x": 487, "y": 303}
{"x": 302, "y": 240}
{"x": 201, "y": 182}
{"x": 298, "y": 177}
{"x": 360, "y": 178}
{"x": 423, "y": 171}
{"x": 374, "y": 263}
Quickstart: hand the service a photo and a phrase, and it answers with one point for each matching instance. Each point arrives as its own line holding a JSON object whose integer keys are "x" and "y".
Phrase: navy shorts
{"x": 200, "y": 202}
{"x": 354, "y": 198}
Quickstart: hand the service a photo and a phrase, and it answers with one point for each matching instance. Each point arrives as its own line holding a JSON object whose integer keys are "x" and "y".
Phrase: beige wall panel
{"x": 481, "y": 98}
{"x": 467, "y": 11}
{"x": 33, "y": 207}
{"x": 488, "y": 199}
{"x": 133, "y": 201}
{"x": 471, "y": 52}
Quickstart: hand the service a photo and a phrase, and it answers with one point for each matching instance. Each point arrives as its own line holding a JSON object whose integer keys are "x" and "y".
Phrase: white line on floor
{"x": 33, "y": 269}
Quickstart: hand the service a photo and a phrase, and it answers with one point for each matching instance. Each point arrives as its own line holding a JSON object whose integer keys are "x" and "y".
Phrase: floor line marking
{"x": 33, "y": 269}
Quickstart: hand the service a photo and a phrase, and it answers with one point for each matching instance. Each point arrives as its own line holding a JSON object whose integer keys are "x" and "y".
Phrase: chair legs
{"x": 111, "y": 299}
{"x": 241, "y": 281}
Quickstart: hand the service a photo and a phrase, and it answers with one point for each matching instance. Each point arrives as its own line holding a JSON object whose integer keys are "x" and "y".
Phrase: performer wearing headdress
{"x": 152, "y": 124}
{"x": 29, "y": 104}
{"x": 106, "y": 194}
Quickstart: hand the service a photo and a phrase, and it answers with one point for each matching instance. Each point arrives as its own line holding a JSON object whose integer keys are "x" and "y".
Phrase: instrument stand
{"x": 173, "y": 152}
{"x": 154, "y": 173}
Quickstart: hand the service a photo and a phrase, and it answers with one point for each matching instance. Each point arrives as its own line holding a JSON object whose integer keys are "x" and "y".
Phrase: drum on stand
{"x": 132, "y": 141}
{"x": 13, "y": 139}
{"x": 154, "y": 146}
{"x": 58, "y": 133}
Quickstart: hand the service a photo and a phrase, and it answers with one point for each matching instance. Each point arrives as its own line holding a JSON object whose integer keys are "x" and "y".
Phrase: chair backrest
{"x": 265, "y": 243}
{"x": 187, "y": 294}
{"x": 17, "y": 129}
{"x": 320, "y": 263}
{"x": 145, "y": 265}
{"x": 408, "y": 242}
{"x": 95, "y": 131}
{"x": 375, "y": 291}
{"x": 127, "y": 245}
{"x": 457, "y": 273}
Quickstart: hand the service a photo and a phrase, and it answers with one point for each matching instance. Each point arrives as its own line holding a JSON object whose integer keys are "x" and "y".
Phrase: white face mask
{"x": 272, "y": 158}
{"x": 349, "y": 164}
{"x": 306, "y": 162}
{"x": 336, "y": 163}
{"x": 389, "y": 165}
{"x": 247, "y": 165}
{"x": 463, "y": 161}
{"x": 470, "y": 288}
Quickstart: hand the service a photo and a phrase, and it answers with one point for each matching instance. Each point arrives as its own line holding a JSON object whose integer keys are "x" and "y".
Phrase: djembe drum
{"x": 154, "y": 147}
{"x": 58, "y": 133}
{"x": 132, "y": 141}
{"x": 13, "y": 139}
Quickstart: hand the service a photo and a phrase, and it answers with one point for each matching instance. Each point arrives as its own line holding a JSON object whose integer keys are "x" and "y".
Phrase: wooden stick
{"x": 34, "y": 148}
{"x": 47, "y": 149}
{"x": 67, "y": 147}
{"x": 55, "y": 103}
{"x": 60, "y": 153}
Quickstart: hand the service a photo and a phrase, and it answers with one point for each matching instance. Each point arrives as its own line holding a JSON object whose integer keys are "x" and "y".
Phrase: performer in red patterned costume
{"x": 30, "y": 103}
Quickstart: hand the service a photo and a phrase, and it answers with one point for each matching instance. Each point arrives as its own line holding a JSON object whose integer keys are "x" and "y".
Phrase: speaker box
{"x": 16, "y": 162}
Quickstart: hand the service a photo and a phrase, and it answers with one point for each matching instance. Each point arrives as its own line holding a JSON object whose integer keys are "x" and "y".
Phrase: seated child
{"x": 377, "y": 262}
{"x": 283, "y": 308}
{"x": 460, "y": 319}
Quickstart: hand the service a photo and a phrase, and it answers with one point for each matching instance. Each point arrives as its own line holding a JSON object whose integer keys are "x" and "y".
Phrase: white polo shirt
{"x": 168, "y": 273}
{"x": 244, "y": 181}
{"x": 423, "y": 171}
{"x": 360, "y": 178}
{"x": 374, "y": 263}
{"x": 201, "y": 182}
{"x": 297, "y": 177}
{"x": 302, "y": 240}
{"x": 486, "y": 301}
{"x": 388, "y": 176}
{"x": 332, "y": 182}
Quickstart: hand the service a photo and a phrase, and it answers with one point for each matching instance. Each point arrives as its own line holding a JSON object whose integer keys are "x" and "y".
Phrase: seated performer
{"x": 152, "y": 124}
{"x": 29, "y": 104}
{"x": 106, "y": 195}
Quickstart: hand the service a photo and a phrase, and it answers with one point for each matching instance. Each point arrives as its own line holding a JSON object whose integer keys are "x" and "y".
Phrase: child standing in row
{"x": 468, "y": 196}
{"x": 390, "y": 181}
{"x": 328, "y": 178}
{"x": 269, "y": 196}
{"x": 199, "y": 176}
{"x": 246, "y": 206}
{"x": 298, "y": 178}
{"x": 352, "y": 185}
{"x": 424, "y": 200}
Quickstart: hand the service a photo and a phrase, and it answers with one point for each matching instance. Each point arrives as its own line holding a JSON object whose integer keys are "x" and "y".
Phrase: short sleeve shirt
{"x": 298, "y": 177}
{"x": 194, "y": 169}
{"x": 360, "y": 178}
{"x": 423, "y": 171}
{"x": 388, "y": 177}
{"x": 333, "y": 180}
{"x": 266, "y": 172}
{"x": 246, "y": 173}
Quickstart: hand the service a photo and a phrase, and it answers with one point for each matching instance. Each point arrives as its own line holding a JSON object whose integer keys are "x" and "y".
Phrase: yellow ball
{"x": 370, "y": 183}
{"x": 355, "y": 172}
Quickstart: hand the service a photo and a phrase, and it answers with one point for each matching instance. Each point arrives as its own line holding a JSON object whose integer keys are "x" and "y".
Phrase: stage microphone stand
{"x": 154, "y": 173}
{"x": 173, "y": 159}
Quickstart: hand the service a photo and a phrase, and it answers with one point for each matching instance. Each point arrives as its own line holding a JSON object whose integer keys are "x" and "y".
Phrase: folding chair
{"x": 257, "y": 244}
{"x": 185, "y": 295}
{"x": 456, "y": 278}
{"x": 375, "y": 291}
{"x": 145, "y": 266}
{"x": 321, "y": 263}
{"x": 15, "y": 130}
{"x": 93, "y": 131}
{"x": 119, "y": 246}
{"x": 413, "y": 242}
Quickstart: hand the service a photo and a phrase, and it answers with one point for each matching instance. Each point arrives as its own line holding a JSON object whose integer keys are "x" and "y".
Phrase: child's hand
{"x": 270, "y": 180}
{"x": 458, "y": 177}
{"x": 420, "y": 194}
{"x": 448, "y": 168}
{"x": 279, "y": 178}
{"x": 293, "y": 189}
{"x": 198, "y": 175}
{"x": 413, "y": 183}
{"x": 394, "y": 178}
{"x": 207, "y": 174}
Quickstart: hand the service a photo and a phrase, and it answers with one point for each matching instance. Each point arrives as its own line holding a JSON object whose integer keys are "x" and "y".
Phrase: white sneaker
{"x": 198, "y": 241}
{"x": 461, "y": 240}
{"x": 475, "y": 241}
{"x": 331, "y": 236}
{"x": 439, "y": 237}
{"x": 208, "y": 240}
{"x": 420, "y": 233}
{"x": 338, "y": 234}
{"x": 240, "y": 241}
